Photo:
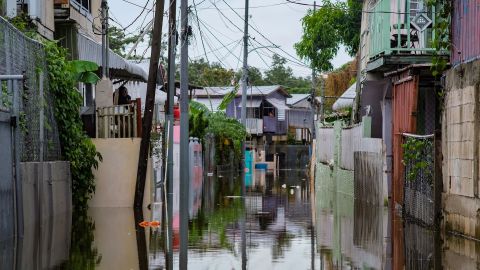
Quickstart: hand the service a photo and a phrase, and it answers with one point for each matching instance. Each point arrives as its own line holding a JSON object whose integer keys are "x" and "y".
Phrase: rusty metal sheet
{"x": 465, "y": 31}
{"x": 405, "y": 95}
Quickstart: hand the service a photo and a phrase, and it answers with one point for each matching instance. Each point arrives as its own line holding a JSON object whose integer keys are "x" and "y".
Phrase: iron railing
{"x": 401, "y": 27}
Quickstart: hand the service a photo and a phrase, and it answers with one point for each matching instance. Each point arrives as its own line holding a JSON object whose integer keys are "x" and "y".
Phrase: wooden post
{"x": 149, "y": 105}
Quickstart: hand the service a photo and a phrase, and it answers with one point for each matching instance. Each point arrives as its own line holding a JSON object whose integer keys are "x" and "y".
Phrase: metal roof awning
{"x": 346, "y": 99}
{"x": 212, "y": 103}
{"x": 251, "y": 103}
{"x": 120, "y": 68}
{"x": 277, "y": 103}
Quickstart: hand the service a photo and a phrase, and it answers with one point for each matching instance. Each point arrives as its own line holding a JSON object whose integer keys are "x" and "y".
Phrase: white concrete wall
{"x": 116, "y": 176}
{"x": 325, "y": 144}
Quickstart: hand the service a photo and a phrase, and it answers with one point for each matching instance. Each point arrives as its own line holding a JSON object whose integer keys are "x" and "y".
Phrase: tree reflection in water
{"x": 83, "y": 253}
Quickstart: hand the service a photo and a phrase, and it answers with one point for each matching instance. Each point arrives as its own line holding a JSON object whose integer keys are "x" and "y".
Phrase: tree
{"x": 326, "y": 29}
{"x": 338, "y": 81}
{"x": 202, "y": 73}
{"x": 118, "y": 41}
{"x": 280, "y": 74}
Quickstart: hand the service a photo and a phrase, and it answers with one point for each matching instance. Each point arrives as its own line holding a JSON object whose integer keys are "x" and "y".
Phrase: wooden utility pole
{"x": 149, "y": 105}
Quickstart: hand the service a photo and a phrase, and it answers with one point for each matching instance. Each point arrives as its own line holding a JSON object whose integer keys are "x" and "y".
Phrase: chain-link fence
{"x": 418, "y": 157}
{"x": 30, "y": 101}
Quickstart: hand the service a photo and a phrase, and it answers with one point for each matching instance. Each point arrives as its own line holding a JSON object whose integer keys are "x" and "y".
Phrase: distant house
{"x": 211, "y": 97}
{"x": 300, "y": 115}
{"x": 266, "y": 107}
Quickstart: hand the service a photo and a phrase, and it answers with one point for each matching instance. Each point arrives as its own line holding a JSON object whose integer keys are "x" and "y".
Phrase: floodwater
{"x": 285, "y": 225}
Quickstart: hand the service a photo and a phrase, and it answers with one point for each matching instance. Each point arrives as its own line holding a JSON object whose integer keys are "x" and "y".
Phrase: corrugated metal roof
{"x": 296, "y": 98}
{"x": 251, "y": 91}
{"x": 212, "y": 103}
{"x": 465, "y": 28}
{"x": 346, "y": 99}
{"x": 89, "y": 50}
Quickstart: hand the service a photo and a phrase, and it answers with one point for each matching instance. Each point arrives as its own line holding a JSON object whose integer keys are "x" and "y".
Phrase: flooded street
{"x": 281, "y": 224}
{"x": 276, "y": 218}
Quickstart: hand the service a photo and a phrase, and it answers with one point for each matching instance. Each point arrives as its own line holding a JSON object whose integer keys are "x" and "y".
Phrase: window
{"x": 84, "y": 4}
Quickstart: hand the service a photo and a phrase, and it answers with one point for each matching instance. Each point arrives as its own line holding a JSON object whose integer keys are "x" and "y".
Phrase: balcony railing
{"x": 402, "y": 27}
{"x": 119, "y": 121}
{"x": 254, "y": 126}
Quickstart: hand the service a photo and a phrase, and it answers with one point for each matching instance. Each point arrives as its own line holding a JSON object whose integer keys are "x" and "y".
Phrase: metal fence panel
{"x": 38, "y": 136}
{"x": 419, "y": 186}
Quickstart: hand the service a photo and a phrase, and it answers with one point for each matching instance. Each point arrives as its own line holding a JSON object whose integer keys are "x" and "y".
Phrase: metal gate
{"x": 405, "y": 94}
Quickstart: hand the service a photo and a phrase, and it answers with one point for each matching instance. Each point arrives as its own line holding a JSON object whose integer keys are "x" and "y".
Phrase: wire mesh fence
{"x": 419, "y": 201}
{"x": 29, "y": 101}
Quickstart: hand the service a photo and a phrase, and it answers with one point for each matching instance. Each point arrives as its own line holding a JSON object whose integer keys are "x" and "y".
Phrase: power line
{"x": 199, "y": 29}
{"x": 254, "y": 7}
{"x": 219, "y": 48}
{"x": 262, "y": 35}
{"x": 135, "y": 4}
{"x": 215, "y": 37}
{"x": 134, "y": 20}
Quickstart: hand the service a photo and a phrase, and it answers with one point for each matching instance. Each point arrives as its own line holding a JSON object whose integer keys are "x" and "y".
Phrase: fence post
{"x": 42, "y": 115}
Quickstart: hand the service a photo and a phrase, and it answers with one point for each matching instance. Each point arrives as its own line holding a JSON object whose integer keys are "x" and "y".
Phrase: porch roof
{"x": 90, "y": 50}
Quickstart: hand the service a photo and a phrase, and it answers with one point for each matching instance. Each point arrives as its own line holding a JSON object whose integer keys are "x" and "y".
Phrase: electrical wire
{"x": 199, "y": 29}
{"x": 267, "y": 39}
{"x": 216, "y": 38}
{"x": 254, "y": 7}
{"x": 138, "y": 16}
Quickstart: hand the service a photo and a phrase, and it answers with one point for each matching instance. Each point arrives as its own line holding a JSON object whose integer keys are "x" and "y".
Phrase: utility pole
{"x": 172, "y": 44}
{"x": 244, "y": 123}
{"x": 314, "y": 86}
{"x": 104, "y": 7}
{"x": 184, "y": 160}
{"x": 245, "y": 68}
{"x": 149, "y": 105}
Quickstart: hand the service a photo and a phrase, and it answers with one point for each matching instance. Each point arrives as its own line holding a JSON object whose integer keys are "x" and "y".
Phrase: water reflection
{"x": 276, "y": 216}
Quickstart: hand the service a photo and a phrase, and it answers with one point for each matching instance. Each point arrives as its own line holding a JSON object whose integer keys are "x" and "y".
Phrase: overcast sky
{"x": 277, "y": 20}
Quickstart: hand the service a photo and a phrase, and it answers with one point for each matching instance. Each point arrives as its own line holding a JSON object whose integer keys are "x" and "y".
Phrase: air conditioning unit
{"x": 62, "y": 3}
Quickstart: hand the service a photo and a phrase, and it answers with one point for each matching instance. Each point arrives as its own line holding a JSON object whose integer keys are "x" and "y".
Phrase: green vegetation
{"x": 225, "y": 212}
{"x": 83, "y": 253}
{"x": 204, "y": 74}
{"x": 229, "y": 133}
{"x": 5, "y": 96}
{"x": 324, "y": 30}
{"x": 442, "y": 41}
{"x": 77, "y": 147}
{"x": 418, "y": 156}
